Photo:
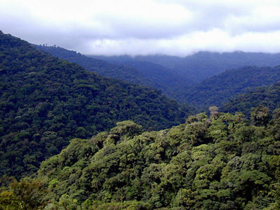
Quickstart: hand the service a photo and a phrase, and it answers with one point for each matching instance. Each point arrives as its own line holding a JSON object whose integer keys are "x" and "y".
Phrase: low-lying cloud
{"x": 178, "y": 27}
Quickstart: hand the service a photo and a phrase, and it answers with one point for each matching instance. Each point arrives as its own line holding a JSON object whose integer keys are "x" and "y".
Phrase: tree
{"x": 214, "y": 112}
{"x": 260, "y": 116}
{"x": 29, "y": 192}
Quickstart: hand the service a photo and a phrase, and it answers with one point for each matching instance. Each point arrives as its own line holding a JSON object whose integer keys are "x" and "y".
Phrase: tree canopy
{"x": 46, "y": 101}
{"x": 219, "y": 162}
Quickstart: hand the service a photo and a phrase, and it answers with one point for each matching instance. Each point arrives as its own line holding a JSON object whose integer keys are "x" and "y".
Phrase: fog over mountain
{"x": 146, "y": 27}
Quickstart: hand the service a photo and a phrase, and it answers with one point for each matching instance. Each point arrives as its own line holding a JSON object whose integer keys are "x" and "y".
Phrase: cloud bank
{"x": 177, "y": 27}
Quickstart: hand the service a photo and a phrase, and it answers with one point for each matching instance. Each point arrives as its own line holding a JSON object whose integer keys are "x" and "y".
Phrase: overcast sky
{"x": 173, "y": 27}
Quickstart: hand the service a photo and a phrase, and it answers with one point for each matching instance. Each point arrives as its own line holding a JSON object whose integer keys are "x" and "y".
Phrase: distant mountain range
{"x": 202, "y": 65}
{"x": 202, "y": 80}
{"x": 101, "y": 67}
{"x": 127, "y": 69}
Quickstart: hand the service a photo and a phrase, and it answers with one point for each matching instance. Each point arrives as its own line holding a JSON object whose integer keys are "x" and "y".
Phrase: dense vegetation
{"x": 219, "y": 89}
{"x": 199, "y": 85}
{"x": 46, "y": 101}
{"x": 101, "y": 67}
{"x": 183, "y": 78}
{"x": 219, "y": 162}
{"x": 128, "y": 69}
{"x": 266, "y": 96}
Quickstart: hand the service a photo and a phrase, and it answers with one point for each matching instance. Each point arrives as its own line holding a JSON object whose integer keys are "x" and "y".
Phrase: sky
{"x": 144, "y": 27}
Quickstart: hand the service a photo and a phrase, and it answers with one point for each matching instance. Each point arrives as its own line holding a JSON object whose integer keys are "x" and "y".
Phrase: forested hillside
{"x": 76, "y": 140}
{"x": 125, "y": 68}
{"x": 219, "y": 162}
{"x": 266, "y": 96}
{"x": 202, "y": 65}
{"x": 219, "y": 89}
{"x": 101, "y": 67}
{"x": 46, "y": 101}
{"x": 205, "y": 78}
{"x": 170, "y": 83}
{"x": 183, "y": 78}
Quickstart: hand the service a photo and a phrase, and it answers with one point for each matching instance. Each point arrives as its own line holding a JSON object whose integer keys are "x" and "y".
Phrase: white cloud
{"x": 176, "y": 27}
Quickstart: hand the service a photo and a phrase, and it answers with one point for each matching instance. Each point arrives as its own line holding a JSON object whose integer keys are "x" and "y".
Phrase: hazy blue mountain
{"x": 127, "y": 69}
{"x": 194, "y": 82}
{"x": 167, "y": 80}
{"x": 101, "y": 67}
{"x": 203, "y": 65}
{"x": 188, "y": 80}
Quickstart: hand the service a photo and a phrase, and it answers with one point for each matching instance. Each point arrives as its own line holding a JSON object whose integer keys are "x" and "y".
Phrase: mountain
{"x": 57, "y": 126}
{"x": 101, "y": 67}
{"x": 266, "y": 96}
{"x": 202, "y": 65}
{"x": 46, "y": 101}
{"x": 187, "y": 80}
{"x": 219, "y": 89}
{"x": 127, "y": 69}
{"x": 217, "y": 162}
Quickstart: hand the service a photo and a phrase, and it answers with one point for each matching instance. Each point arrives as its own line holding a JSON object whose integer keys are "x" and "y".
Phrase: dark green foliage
{"x": 217, "y": 162}
{"x": 220, "y": 89}
{"x": 266, "y": 96}
{"x": 128, "y": 69}
{"x": 207, "y": 90}
{"x": 46, "y": 101}
{"x": 223, "y": 161}
{"x": 190, "y": 79}
{"x": 260, "y": 116}
{"x": 101, "y": 67}
{"x": 24, "y": 195}
{"x": 168, "y": 80}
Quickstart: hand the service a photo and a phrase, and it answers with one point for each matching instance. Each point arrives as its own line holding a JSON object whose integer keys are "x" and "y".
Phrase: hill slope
{"x": 179, "y": 76}
{"x": 189, "y": 77}
{"x": 267, "y": 96}
{"x": 46, "y": 101}
{"x": 128, "y": 69}
{"x": 99, "y": 66}
{"x": 221, "y": 88}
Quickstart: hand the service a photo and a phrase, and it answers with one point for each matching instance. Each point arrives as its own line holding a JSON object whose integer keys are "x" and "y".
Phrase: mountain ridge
{"x": 204, "y": 64}
{"x": 139, "y": 72}
{"x": 268, "y": 96}
{"x": 46, "y": 101}
{"x": 218, "y": 89}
